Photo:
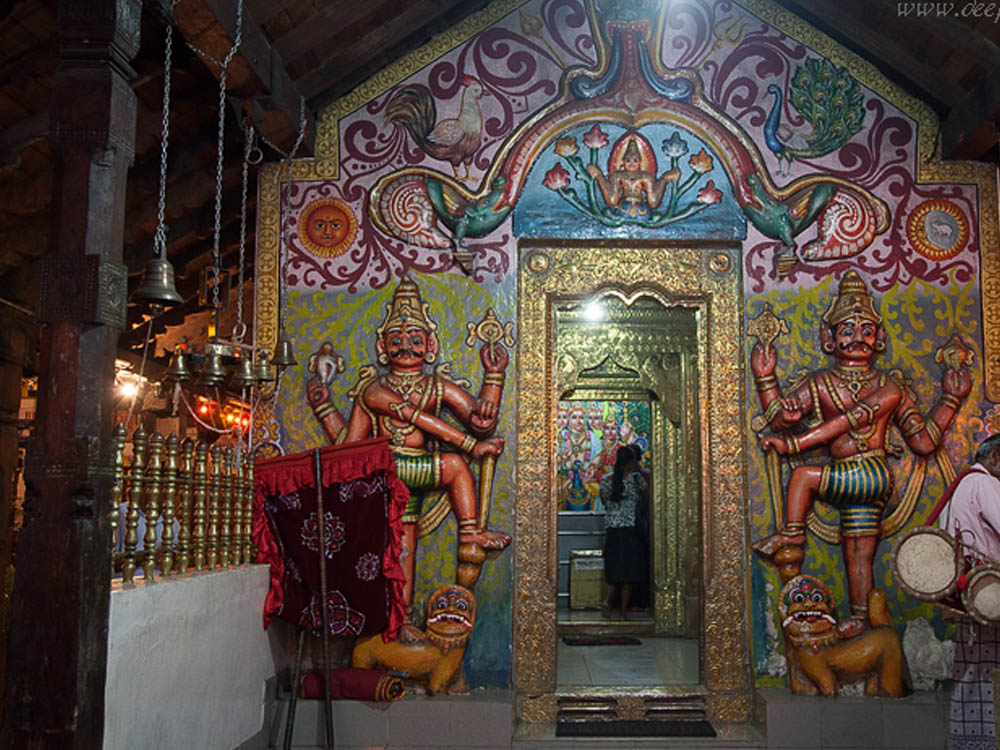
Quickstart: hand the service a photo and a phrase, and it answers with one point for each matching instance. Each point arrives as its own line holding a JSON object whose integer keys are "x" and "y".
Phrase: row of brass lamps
{"x": 246, "y": 373}
{"x": 159, "y": 290}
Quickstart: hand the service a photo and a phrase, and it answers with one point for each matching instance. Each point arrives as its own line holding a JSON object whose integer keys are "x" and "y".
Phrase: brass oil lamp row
{"x": 218, "y": 357}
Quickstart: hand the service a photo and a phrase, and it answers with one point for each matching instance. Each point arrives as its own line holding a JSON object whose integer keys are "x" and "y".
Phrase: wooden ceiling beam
{"x": 20, "y": 135}
{"x": 257, "y": 72}
{"x": 41, "y": 60}
{"x": 955, "y": 35}
{"x": 196, "y": 224}
{"x": 405, "y": 32}
{"x": 893, "y": 60}
{"x": 349, "y": 20}
{"x": 265, "y": 10}
{"x": 970, "y": 129}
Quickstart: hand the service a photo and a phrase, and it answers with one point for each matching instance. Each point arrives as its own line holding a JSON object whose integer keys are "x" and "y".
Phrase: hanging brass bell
{"x": 213, "y": 372}
{"x": 263, "y": 371}
{"x": 177, "y": 370}
{"x": 157, "y": 286}
{"x": 283, "y": 354}
{"x": 243, "y": 377}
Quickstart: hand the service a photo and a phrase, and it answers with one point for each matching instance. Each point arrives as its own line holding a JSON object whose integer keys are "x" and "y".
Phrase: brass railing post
{"x": 184, "y": 505}
{"x": 154, "y": 466}
{"x": 214, "y": 488}
{"x": 207, "y": 492}
{"x": 200, "y": 500}
{"x": 118, "y": 487}
{"x": 236, "y": 506}
{"x": 248, "y": 510}
{"x": 169, "y": 490}
{"x": 136, "y": 473}
{"x": 224, "y": 507}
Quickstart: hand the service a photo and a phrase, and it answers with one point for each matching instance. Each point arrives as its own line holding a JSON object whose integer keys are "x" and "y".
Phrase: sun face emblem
{"x": 327, "y": 227}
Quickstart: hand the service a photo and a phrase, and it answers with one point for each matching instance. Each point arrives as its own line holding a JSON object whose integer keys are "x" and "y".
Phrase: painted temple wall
{"x": 922, "y": 261}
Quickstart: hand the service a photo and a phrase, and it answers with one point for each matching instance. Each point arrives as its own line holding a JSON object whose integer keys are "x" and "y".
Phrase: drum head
{"x": 982, "y": 596}
{"x": 924, "y": 563}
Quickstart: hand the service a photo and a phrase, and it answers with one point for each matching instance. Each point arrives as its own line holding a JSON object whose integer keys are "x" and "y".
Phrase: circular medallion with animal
{"x": 327, "y": 227}
{"x": 938, "y": 229}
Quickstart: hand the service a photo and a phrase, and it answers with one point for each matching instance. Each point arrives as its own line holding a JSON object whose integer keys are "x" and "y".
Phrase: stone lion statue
{"x": 820, "y": 660}
{"x": 437, "y": 658}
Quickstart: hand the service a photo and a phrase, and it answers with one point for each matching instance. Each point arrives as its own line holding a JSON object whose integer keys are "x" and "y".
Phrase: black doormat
{"x": 634, "y": 729}
{"x": 601, "y": 640}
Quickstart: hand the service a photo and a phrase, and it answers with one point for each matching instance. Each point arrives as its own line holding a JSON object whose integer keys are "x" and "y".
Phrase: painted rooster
{"x": 448, "y": 140}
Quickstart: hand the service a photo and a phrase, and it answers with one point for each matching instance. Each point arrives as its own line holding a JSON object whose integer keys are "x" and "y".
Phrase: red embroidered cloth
{"x": 352, "y": 684}
{"x": 363, "y": 503}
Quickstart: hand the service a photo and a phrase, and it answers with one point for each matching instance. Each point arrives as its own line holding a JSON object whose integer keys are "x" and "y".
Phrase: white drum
{"x": 982, "y": 594}
{"x": 926, "y": 563}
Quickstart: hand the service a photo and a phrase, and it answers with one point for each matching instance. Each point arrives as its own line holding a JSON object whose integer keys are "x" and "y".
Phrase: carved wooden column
{"x": 57, "y": 657}
{"x": 18, "y": 339}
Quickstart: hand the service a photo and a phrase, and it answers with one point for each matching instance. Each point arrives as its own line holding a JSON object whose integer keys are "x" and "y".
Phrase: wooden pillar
{"x": 18, "y": 340}
{"x": 57, "y": 655}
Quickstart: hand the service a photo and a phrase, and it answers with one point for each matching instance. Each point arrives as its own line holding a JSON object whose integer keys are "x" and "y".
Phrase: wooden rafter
{"x": 895, "y": 61}
{"x": 378, "y": 44}
{"x": 257, "y": 72}
{"x": 954, "y": 34}
{"x": 970, "y": 129}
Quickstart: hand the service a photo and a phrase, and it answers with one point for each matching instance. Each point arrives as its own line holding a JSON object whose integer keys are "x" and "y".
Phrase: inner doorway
{"x": 704, "y": 283}
{"x": 626, "y": 368}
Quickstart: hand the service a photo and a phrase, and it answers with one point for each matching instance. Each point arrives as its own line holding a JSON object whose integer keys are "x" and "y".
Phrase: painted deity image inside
{"x": 589, "y": 434}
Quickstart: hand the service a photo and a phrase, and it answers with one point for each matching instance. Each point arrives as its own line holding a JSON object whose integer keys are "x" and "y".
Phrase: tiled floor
{"x": 485, "y": 720}
{"x": 657, "y": 661}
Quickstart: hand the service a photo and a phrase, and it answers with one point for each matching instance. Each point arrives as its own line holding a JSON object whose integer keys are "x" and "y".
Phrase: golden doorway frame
{"x": 703, "y": 276}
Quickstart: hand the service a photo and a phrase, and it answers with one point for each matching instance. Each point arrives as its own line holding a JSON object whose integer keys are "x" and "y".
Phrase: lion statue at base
{"x": 820, "y": 661}
{"x": 451, "y": 613}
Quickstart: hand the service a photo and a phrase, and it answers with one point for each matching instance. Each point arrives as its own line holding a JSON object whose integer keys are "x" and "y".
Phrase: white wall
{"x": 187, "y": 661}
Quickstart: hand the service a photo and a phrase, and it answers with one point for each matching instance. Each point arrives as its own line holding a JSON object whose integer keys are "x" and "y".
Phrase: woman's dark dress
{"x": 624, "y": 549}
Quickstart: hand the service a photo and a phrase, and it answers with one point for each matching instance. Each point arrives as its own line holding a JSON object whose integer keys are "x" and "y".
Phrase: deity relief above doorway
{"x": 701, "y": 282}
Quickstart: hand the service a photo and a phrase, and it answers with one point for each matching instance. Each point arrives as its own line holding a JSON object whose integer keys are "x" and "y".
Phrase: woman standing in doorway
{"x": 624, "y": 555}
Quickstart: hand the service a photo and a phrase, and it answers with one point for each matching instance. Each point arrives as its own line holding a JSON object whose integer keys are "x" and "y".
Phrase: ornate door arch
{"x": 705, "y": 279}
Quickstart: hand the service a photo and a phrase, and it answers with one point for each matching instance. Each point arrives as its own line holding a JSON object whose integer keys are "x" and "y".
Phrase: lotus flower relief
{"x": 595, "y": 138}
{"x": 709, "y": 194}
{"x": 701, "y": 162}
{"x": 674, "y": 147}
{"x": 556, "y": 178}
{"x": 634, "y": 191}
{"x": 566, "y": 146}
